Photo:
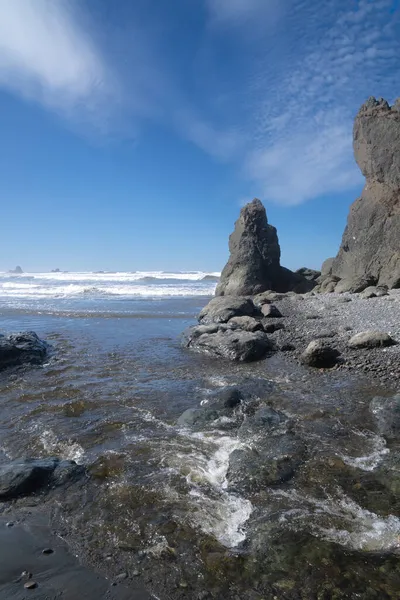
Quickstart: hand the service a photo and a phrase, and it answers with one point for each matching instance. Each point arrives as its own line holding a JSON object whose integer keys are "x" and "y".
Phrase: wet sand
{"x": 58, "y": 575}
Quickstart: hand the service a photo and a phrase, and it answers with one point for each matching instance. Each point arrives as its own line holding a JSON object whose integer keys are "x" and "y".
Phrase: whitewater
{"x": 138, "y": 284}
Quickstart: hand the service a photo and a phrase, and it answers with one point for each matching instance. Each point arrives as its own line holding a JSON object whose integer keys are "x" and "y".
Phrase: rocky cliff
{"x": 370, "y": 248}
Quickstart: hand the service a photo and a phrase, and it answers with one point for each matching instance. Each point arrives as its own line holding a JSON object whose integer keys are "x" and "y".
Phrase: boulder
{"x": 254, "y": 262}
{"x": 21, "y": 348}
{"x": 369, "y": 247}
{"x": 272, "y": 461}
{"x": 318, "y": 354}
{"x": 353, "y": 285}
{"x": 24, "y": 477}
{"x": 222, "y": 309}
{"x": 220, "y": 406}
{"x": 270, "y": 326}
{"x": 371, "y": 339}
{"x": 233, "y": 344}
{"x": 326, "y": 268}
{"x": 269, "y": 311}
{"x": 246, "y": 323}
{"x": 387, "y": 415}
{"x": 374, "y": 292}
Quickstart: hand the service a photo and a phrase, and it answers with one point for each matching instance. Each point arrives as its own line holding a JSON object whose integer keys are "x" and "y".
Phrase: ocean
{"x": 158, "y": 499}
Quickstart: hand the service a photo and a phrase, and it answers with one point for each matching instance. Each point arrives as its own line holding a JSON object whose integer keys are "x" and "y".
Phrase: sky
{"x": 133, "y": 131}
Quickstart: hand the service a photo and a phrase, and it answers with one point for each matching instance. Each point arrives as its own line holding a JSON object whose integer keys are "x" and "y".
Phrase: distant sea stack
{"x": 370, "y": 250}
{"x": 254, "y": 263}
{"x": 17, "y": 271}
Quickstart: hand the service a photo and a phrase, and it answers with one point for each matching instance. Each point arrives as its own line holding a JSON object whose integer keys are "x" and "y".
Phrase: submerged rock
{"x": 387, "y": 415}
{"x": 221, "y": 310}
{"x": 24, "y": 477}
{"x": 272, "y": 461}
{"x": 21, "y": 348}
{"x": 371, "y": 339}
{"x": 221, "y": 405}
{"x": 233, "y": 344}
{"x": 318, "y": 354}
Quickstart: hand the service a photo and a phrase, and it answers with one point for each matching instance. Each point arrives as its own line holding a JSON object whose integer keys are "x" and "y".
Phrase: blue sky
{"x": 133, "y": 131}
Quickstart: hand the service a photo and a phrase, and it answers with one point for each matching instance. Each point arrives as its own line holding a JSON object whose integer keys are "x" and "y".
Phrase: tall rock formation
{"x": 370, "y": 248}
{"x": 254, "y": 262}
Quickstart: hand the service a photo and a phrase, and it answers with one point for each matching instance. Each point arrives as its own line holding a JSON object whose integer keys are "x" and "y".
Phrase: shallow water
{"x": 109, "y": 397}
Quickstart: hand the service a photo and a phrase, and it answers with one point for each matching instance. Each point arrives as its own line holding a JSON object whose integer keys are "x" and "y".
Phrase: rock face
{"x": 254, "y": 263}
{"x": 21, "y": 348}
{"x": 370, "y": 248}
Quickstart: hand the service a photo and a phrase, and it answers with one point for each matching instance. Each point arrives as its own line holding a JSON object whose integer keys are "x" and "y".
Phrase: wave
{"x": 132, "y": 291}
{"x": 111, "y": 277}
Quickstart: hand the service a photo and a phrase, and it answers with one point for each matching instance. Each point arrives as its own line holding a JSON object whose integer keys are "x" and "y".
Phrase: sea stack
{"x": 254, "y": 263}
{"x": 370, "y": 250}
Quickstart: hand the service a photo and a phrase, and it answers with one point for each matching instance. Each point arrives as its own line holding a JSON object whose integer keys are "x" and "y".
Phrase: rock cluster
{"x": 370, "y": 250}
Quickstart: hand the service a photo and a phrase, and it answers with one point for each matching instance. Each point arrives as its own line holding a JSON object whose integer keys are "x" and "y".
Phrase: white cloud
{"x": 303, "y": 123}
{"x": 46, "y": 56}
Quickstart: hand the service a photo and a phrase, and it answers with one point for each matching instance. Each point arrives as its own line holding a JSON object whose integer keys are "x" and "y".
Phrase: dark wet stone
{"x": 265, "y": 419}
{"x": 386, "y": 412}
{"x": 21, "y": 348}
{"x": 47, "y": 551}
{"x": 24, "y": 477}
{"x": 220, "y": 404}
{"x": 273, "y": 460}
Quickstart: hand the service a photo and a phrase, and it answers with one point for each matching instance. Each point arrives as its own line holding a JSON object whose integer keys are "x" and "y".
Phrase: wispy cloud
{"x": 46, "y": 56}
{"x": 236, "y": 12}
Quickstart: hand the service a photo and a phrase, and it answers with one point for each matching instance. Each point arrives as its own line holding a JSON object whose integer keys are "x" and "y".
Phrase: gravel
{"x": 338, "y": 317}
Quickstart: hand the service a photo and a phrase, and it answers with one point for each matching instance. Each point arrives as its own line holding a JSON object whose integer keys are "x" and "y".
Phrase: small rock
{"x": 319, "y": 355}
{"x": 30, "y": 585}
{"x": 183, "y": 584}
{"x": 10, "y": 524}
{"x": 47, "y": 551}
{"x": 272, "y": 326}
{"x": 135, "y": 573}
{"x": 371, "y": 339}
{"x": 121, "y": 577}
{"x": 271, "y": 311}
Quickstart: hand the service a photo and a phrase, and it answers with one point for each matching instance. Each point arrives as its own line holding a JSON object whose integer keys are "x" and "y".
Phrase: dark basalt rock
{"x": 254, "y": 262}
{"x": 24, "y": 477}
{"x": 21, "y": 348}
{"x": 370, "y": 247}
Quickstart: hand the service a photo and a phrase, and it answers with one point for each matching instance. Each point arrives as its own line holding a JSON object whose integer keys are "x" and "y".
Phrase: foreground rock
{"x": 21, "y": 348}
{"x": 254, "y": 262}
{"x": 226, "y": 342}
{"x": 220, "y": 410}
{"x": 370, "y": 250}
{"x": 318, "y": 354}
{"x": 272, "y": 461}
{"x": 371, "y": 339}
{"x": 220, "y": 310}
{"x": 24, "y": 477}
